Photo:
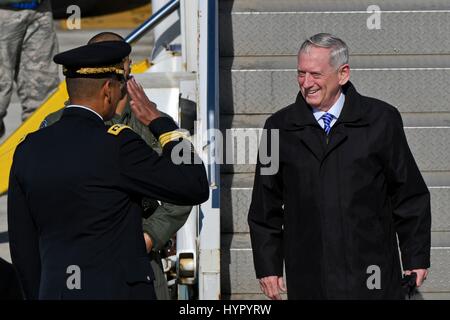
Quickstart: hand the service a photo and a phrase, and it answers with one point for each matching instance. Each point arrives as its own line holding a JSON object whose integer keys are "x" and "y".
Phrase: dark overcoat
{"x": 74, "y": 207}
{"x": 334, "y": 207}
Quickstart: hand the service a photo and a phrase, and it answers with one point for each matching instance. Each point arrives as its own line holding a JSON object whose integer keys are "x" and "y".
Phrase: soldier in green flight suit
{"x": 160, "y": 221}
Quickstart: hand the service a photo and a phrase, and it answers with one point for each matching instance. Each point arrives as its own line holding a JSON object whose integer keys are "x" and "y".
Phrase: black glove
{"x": 409, "y": 284}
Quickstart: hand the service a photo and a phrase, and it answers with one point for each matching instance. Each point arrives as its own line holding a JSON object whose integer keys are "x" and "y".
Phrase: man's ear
{"x": 344, "y": 74}
{"x": 107, "y": 90}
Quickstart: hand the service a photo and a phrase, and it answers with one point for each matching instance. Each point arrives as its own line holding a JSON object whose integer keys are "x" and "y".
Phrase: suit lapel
{"x": 311, "y": 138}
{"x": 339, "y": 136}
{"x": 302, "y": 122}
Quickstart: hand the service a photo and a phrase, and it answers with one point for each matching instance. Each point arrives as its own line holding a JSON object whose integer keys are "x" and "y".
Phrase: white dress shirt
{"x": 335, "y": 111}
{"x": 83, "y": 107}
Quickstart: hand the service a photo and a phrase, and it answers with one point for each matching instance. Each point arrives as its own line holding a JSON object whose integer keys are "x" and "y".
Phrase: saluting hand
{"x": 148, "y": 242}
{"x": 144, "y": 109}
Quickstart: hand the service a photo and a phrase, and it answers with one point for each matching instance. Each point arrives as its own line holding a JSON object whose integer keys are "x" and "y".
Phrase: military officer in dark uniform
{"x": 75, "y": 216}
{"x": 160, "y": 222}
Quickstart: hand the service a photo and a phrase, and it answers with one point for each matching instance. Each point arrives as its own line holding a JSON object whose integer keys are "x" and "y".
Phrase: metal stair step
{"x": 245, "y": 180}
{"x": 236, "y": 257}
{"x": 410, "y": 120}
{"x": 280, "y": 33}
{"x": 276, "y": 62}
{"x": 327, "y": 5}
{"x": 236, "y": 194}
{"x": 401, "y": 63}
{"x": 432, "y": 119}
{"x": 259, "y": 89}
{"x": 238, "y": 275}
{"x": 429, "y": 145}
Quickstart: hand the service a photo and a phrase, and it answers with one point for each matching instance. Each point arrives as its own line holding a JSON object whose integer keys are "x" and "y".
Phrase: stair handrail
{"x": 151, "y": 22}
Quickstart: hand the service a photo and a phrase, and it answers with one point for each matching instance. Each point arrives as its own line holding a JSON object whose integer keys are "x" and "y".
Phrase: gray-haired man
{"x": 346, "y": 186}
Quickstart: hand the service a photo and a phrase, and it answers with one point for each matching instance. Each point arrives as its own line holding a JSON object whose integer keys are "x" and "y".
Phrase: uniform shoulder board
{"x": 117, "y": 128}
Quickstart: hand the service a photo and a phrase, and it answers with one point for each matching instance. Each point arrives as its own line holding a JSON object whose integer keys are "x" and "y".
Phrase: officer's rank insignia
{"x": 171, "y": 136}
{"x": 115, "y": 129}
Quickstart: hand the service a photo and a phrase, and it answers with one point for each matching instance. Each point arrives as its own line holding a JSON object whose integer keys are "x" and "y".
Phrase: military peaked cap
{"x": 95, "y": 60}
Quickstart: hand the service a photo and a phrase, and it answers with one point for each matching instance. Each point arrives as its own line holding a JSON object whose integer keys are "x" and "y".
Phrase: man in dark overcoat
{"x": 347, "y": 185}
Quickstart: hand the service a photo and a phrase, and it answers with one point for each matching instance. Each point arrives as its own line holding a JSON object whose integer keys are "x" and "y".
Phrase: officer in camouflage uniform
{"x": 27, "y": 45}
{"x": 160, "y": 222}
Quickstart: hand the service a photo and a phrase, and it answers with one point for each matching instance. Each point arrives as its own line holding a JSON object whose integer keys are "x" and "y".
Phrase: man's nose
{"x": 307, "y": 81}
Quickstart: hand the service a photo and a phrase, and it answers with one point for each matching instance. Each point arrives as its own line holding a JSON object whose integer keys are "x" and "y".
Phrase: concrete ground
{"x": 67, "y": 39}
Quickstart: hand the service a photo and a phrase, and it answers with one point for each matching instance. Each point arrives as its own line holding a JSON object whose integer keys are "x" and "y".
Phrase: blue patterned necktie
{"x": 327, "y": 118}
